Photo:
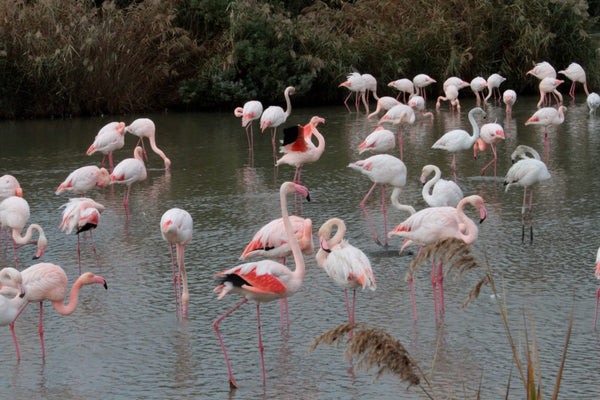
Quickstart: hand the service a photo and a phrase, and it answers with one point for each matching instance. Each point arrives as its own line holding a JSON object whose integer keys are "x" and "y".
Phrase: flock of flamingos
{"x": 291, "y": 235}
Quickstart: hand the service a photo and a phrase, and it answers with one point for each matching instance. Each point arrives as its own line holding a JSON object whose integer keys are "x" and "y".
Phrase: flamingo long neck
{"x": 472, "y": 231}
{"x": 155, "y": 148}
{"x": 289, "y": 231}
{"x": 427, "y": 188}
{"x": 396, "y": 203}
{"x": 475, "y": 134}
{"x": 28, "y": 233}
{"x": 339, "y": 234}
{"x": 288, "y": 103}
{"x": 320, "y": 139}
{"x": 67, "y": 309}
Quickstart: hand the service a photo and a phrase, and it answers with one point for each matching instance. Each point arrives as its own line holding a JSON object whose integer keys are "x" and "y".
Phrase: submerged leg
{"x": 364, "y": 208}
{"x": 232, "y": 382}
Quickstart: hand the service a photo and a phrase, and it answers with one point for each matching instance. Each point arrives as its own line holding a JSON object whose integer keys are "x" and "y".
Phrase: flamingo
{"x": 9, "y": 308}
{"x": 176, "y": 227}
{"x": 81, "y": 214}
{"x": 526, "y": 172}
{"x": 478, "y": 84}
{"x": 381, "y": 169}
{"x": 302, "y": 151}
{"x": 110, "y": 138}
{"x": 274, "y": 116}
{"x": 418, "y": 103}
{"x": 438, "y": 192}
{"x": 403, "y": 86}
{"x": 14, "y": 214}
{"x": 493, "y": 83}
{"x": 265, "y": 280}
{"x": 271, "y": 241}
{"x": 46, "y": 281}
{"x": 597, "y": 273}
{"x": 9, "y": 186}
{"x": 421, "y": 81}
{"x": 593, "y": 101}
{"x": 83, "y": 179}
{"x": 145, "y": 128}
{"x": 397, "y": 115}
{"x": 433, "y": 223}
{"x": 455, "y": 81}
{"x": 128, "y": 171}
{"x": 575, "y": 73}
{"x": 549, "y": 86}
{"x": 459, "y": 139}
{"x": 251, "y": 111}
{"x": 345, "y": 264}
{"x": 379, "y": 141}
{"x": 489, "y": 135}
{"x": 370, "y": 85}
{"x": 451, "y": 95}
{"x": 547, "y": 116}
{"x": 384, "y": 103}
{"x": 356, "y": 85}
{"x": 509, "y": 97}
{"x": 542, "y": 70}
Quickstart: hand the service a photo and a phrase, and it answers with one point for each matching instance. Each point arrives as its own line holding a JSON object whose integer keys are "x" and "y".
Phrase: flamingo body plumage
{"x": 84, "y": 179}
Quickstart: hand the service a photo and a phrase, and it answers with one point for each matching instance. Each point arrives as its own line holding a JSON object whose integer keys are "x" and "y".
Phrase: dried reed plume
{"x": 374, "y": 347}
{"x": 455, "y": 255}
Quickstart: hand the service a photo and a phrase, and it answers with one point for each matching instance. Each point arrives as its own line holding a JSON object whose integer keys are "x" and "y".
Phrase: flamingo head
{"x": 324, "y": 244}
{"x": 42, "y": 242}
{"x": 89, "y": 279}
{"x": 11, "y": 279}
{"x": 103, "y": 177}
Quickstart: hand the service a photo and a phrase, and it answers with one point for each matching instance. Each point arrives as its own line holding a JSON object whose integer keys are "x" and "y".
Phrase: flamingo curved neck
{"x": 471, "y": 228}
{"x": 289, "y": 231}
{"x": 427, "y": 188}
{"x": 288, "y": 103}
{"x": 475, "y": 134}
{"x": 396, "y": 203}
{"x": 155, "y": 148}
{"x": 67, "y": 309}
{"x": 339, "y": 234}
{"x": 28, "y": 233}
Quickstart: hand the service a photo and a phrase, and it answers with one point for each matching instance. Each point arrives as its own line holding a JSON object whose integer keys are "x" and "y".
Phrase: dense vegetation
{"x": 64, "y": 57}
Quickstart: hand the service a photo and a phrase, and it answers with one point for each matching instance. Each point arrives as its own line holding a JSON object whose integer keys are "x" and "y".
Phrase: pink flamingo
{"x": 575, "y": 73}
{"x": 345, "y": 264}
{"x": 265, "y": 280}
{"x": 542, "y": 70}
{"x": 381, "y": 169}
{"x": 176, "y": 227}
{"x": 9, "y": 186}
{"x": 384, "y": 103}
{"x": 357, "y": 86}
{"x": 438, "y": 192}
{"x": 144, "y": 128}
{"x": 593, "y": 102}
{"x": 370, "y": 85}
{"x": 509, "y": 97}
{"x": 81, "y": 214}
{"x": 128, "y": 171}
{"x": 9, "y": 308}
{"x": 597, "y": 273}
{"x": 431, "y": 224}
{"x": 403, "y": 86}
{"x": 302, "y": 151}
{"x": 14, "y": 214}
{"x": 547, "y": 87}
{"x": 418, "y": 104}
{"x": 110, "y": 138}
{"x": 526, "y": 172}
{"x": 459, "y": 139}
{"x": 489, "y": 135}
{"x": 271, "y": 241}
{"x": 251, "y": 111}
{"x": 451, "y": 95}
{"x": 274, "y": 116}
{"x": 455, "y": 81}
{"x": 493, "y": 83}
{"x": 397, "y": 115}
{"x": 421, "y": 81}
{"x": 83, "y": 179}
{"x": 379, "y": 141}
{"x": 46, "y": 281}
{"x": 547, "y": 116}
{"x": 478, "y": 85}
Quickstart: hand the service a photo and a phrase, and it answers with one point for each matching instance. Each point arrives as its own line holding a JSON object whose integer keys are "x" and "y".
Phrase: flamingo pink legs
{"x": 364, "y": 208}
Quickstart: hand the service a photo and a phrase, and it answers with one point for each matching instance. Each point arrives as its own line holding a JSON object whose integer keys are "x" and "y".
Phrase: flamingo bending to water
{"x": 421, "y": 81}
{"x": 145, "y": 128}
{"x": 509, "y": 97}
{"x": 493, "y": 83}
{"x": 265, "y": 280}
{"x": 593, "y": 101}
{"x": 575, "y": 73}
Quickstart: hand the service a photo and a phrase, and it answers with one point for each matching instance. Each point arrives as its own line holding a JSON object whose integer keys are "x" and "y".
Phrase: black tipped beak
{"x": 308, "y": 197}
{"x": 21, "y": 295}
{"x": 35, "y": 257}
{"x": 481, "y": 220}
{"x": 105, "y": 285}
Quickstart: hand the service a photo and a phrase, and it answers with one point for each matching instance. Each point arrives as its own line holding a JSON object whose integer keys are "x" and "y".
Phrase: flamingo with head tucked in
{"x": 83, "y": 179}
{"x": 438, "y": 192}
{"x": 252, "y": 110}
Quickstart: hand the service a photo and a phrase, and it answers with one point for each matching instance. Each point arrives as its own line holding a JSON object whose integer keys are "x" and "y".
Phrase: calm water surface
{"x": 126, "y": 342}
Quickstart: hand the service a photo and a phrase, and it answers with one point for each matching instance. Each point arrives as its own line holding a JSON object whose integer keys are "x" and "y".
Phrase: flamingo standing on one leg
{"x": 251, "y": 111}
{"x": 347, "y": 265}
{"x": 438, "y": 192}
{"x": 459, "y": 139}
{"x": 145, "y": 128}
{"x": 83, "y": 179}
{"x": 271, "y": 241}
{"x": 490, "y": 134}
{"x": 127, "y": 172}
{"x": 110, "y": 138}
{"x": 381, "y": 169}
{"x": 274, "y": 116}
{"x": 9, "y": 308}
{"x": 176, "y": 227}
{"x": 82, "y": 215}
{"x": 46, "y": 281}
{"x": 265, "y": 280}
{"x": 14, "y": 214}
{"x": 575, "y": 73}
{"x": 433, "y": 223}
{"x": 526, "y": 172}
